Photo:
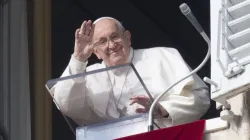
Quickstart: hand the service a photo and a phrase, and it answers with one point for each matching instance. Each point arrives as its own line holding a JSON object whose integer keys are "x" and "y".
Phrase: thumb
{"x": 89, "y": 48}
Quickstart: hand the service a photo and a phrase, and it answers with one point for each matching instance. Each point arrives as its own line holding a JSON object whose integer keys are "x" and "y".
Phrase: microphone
{"x": 188, "y": 13}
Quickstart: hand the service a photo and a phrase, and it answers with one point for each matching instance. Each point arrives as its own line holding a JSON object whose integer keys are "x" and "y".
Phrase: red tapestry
{"x": 190, "y": 131}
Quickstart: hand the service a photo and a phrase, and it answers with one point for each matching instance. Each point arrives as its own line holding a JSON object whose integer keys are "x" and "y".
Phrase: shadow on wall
{"x": 3, "y": 132}
{"x": 241, "y": 123}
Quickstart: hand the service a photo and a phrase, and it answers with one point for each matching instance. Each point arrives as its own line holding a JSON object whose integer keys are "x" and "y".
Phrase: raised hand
{"x": 83, "y": 38}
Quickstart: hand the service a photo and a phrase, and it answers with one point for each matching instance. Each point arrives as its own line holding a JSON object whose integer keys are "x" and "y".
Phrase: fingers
{"x": 92, "y": 31}
{"x": 140, "y": 110}
{"x": 83, "y": 26}
{"x": 77, "y": 33}
{"x": 141, "y": 99}
{"x": 133, "y": 101}
{"x": 88, "y": 28}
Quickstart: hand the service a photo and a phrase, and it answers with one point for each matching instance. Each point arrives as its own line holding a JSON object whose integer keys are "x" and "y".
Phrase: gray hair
{"x": 117, "y": 22}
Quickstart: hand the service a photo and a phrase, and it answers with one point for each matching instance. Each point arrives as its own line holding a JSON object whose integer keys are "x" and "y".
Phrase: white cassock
{"x": 91, "y": 99}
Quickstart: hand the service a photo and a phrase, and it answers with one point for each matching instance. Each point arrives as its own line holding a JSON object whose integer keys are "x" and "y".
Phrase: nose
{"x": 111, "y": 44}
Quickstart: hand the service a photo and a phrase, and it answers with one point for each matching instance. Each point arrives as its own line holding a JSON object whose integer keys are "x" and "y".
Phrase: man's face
{"x": 112, "y": 45}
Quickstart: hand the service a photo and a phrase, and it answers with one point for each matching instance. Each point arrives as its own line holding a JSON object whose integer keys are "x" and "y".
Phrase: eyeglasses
{"x": 115, "y": 38}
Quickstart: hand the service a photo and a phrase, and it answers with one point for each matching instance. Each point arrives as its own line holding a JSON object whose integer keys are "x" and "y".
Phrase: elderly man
{"x": 90, "y": 99}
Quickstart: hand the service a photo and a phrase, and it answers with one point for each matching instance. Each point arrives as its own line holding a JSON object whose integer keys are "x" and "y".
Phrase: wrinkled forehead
{"x": 104, "y": 28}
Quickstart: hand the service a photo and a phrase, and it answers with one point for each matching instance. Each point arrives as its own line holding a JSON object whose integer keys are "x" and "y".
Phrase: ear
{"x": 97, "y": 53}
{"x": 128, "y": 37}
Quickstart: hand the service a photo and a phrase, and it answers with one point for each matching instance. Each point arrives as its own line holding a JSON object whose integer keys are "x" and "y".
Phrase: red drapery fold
{"x": 190, "y": 131}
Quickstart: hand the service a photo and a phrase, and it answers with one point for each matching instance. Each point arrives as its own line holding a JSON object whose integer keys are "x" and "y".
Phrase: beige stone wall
{"x": 239, "y": 127}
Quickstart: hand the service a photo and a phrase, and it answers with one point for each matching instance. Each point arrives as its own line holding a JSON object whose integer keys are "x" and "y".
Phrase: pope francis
{"x": 96, "y": 98}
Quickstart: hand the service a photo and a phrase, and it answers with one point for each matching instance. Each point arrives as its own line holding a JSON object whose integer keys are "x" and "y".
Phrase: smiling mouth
{"x": 115, "y": 51}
